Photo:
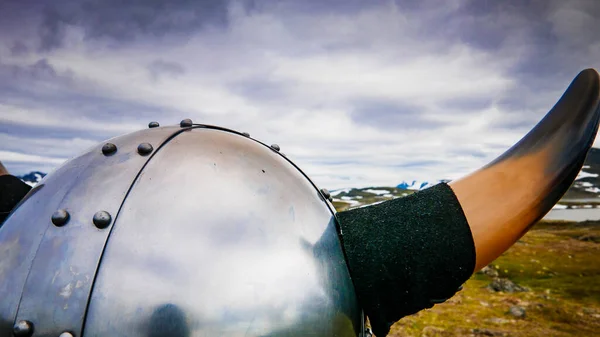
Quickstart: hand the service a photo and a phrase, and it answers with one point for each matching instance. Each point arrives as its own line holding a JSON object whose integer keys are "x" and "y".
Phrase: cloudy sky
{"x": 356, "y": 92}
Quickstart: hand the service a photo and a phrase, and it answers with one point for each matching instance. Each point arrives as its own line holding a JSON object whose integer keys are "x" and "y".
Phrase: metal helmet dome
{"x": 188, "y": 230}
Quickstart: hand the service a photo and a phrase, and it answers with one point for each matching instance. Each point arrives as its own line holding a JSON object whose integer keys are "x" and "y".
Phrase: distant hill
{"x": 414, "y": 185}
{"x": 585, "y": 191}
{"x": 358, "y": 197}
{"x": 32, "y": 178}
{"x": 587, "y": 184}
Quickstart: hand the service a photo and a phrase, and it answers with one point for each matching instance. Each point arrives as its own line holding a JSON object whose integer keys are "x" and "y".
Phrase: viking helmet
{"x": 198, "y": 230}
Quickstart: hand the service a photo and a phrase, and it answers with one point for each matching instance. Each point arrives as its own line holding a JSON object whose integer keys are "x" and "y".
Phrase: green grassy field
{"x": 560, "y": 265}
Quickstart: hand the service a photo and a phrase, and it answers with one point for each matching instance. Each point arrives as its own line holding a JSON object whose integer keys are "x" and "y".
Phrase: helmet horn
{"x": 502, "y": 200}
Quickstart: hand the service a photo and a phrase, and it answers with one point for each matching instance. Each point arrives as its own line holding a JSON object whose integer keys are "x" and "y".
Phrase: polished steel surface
{"x": 23, "y": 230}
{"x": 56, "y": 290}
{"x": 222, "y": 236}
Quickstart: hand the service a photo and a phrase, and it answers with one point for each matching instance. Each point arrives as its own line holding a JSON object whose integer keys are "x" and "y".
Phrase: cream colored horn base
{"x": 503, "y": 200}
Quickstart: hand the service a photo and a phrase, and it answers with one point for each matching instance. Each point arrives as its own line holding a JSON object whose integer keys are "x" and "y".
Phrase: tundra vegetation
{"x": 547, "y": 284}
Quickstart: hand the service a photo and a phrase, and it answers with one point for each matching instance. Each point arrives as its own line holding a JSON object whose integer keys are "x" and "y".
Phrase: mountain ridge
{"x": 583, "y": 193}
{"x": 32, "y": 178}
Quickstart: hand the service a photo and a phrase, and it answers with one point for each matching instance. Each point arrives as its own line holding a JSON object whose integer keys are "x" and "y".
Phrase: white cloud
{"x": 294, "y": 79}
{"x": 68, "y": 119}
{"x": 24, "y": 158}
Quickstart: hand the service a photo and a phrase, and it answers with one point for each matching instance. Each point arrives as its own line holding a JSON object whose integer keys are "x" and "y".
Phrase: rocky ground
{"x": 548, "y": 284}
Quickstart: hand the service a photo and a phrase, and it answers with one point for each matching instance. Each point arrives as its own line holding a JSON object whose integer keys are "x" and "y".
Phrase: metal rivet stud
{"x": 23, "y": 329}
{"x": 246, "y": 134}
{"x": 109, "y": 148}
{"x": 60, "y": 218}
{"x": 102, "y": 219}
{"x": 326, "y": 194}
{"x": 186, "y": 123}
{"x": 153, "y": 125}
{"x": 275, "y": 147}
{"x": 66, "y": 334}
{"x": 145, "y": 149}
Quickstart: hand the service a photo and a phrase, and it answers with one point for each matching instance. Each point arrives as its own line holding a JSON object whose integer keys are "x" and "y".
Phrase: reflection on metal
{"x": 505, "y": 198}
{"x": 47, "y": 271}
{"x": 245, "y": 247}
{"x": 24, "y": 229}
{"x": 275, "y": 147}
{"x": 246, "y": 134}
{"x": 153, "y": 125}
{"x": 60, "y": 218}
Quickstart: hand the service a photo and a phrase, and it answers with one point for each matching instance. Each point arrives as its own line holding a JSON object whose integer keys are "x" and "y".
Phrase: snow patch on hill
{"x": 584, "y": 174}
{"x": 378, "y": 192}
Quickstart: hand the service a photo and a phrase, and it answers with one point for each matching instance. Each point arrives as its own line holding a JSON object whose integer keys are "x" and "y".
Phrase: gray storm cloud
{"x": 357, "y": 92}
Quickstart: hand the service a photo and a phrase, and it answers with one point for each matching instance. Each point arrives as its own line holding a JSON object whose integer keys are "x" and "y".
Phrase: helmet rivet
{"x": 326, "y": 194}
{"x": 246, "y": 134}
{"x": 109, "y": 148}
{"x": 102, "y": 219}
{"x": 153, "y": 125}
{"x": 145, "y": 149}
{"x": 275, "y": 147}
{"x": 23, "y": 329}
{"x": 60, "y": 218}
{"x": 186, "y": 123}
{"x": 66, "y": 334}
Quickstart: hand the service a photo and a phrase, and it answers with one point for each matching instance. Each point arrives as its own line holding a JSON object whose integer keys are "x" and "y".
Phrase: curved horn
{"x": 502, "y": 200}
